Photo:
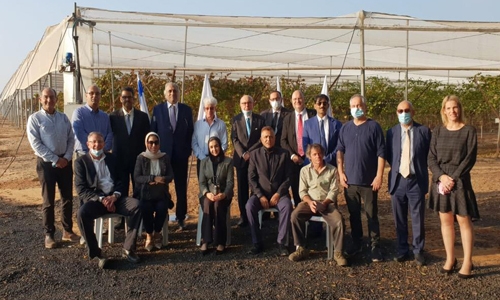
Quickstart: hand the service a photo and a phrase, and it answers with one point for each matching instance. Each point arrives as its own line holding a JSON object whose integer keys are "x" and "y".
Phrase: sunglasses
{"x": 153, "y": 142}
{"x": 322, "y": 103}
{"x": 406, "y": 110}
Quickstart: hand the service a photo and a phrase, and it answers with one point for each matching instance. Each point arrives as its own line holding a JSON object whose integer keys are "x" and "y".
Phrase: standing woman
{"x": 216, "y": 191}
{"x": 152, "y": 174}
{"x": 452, "y": 155}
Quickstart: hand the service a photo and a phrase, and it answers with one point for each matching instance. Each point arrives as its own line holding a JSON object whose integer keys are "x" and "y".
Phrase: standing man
{"x": 269, "y": 177}
{"x": 245, "y": 134}
{"x": 90, "y": 118}
{"x": 323, "y": 130}
{"x": 274, "y": 116}
{"x": 51, "y": 137}
{"x": 318, "y": 200}
{"x": 206, "y": 128}
{"x": 407, "y": 147}
{"x": 98, "y": 186}
{"x": 360, "y": 161}
{"x": 291, "y": 139}
{"x": 173, "y": 122}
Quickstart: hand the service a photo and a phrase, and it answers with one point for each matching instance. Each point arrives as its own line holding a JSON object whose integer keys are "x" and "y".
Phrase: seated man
{"x": 98, "y": 185}
{"x": 269, "y": 175}
{"x": 318, "y": 189}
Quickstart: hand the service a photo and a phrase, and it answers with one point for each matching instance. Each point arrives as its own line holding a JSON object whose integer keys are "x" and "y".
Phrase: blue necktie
{"x": 322, "y": 134}
{"x": 248, "y": 127}
{"x": 129, "y": 125}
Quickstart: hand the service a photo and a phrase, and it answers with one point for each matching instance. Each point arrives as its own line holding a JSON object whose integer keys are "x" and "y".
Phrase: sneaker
{"x": 282, "y": 250}
{"x": 102, "y": 261}
{"x": 420, "y": 259}
{"x": 299, "y": 254}
{"x": 339, "y": 258}
{"x": 131, "y": 256}
{"x": 376, "y": 254}
{"x": 50, "y": 243}
{"x": 70, "y": 237}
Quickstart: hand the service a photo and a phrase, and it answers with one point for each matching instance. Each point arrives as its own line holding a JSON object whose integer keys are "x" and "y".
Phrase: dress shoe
{"x": 445, "y": 271}
{"x": 283, "y": 250}
{"x": 465, "y": 276}
{"x": 402, "y": 257}
{"x": 50, "y": 243}
{"x": 420, "y": 259}
{"x": 354, "y": 250}
{"x": 220, "y": 250}
{"x": 204, "y": 249}
{"x": 242, "y": 223}
{"x": 149, "y": 243}
{"x": 158, "y": 240}
{"x": 182, "y": 225}
{"x": 70, "y": 237}
{"x": 102, "y": 261}
{"x": 131, "y": 256}
{"x": 256, "y": 249}
{"x": 377, "y": 254}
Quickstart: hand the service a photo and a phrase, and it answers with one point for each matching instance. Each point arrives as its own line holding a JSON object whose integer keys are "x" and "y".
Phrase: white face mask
{"x": 275, "y": 104}
{"x": 246, "y": 113}
{"x": 96, "y": 153}
{"x": 356, "y": 112}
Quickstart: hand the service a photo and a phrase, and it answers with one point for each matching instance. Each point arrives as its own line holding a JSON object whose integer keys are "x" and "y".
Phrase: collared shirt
{"x": 85, "y": 121}
{"x": 203, "y": 131}
{"x": 169, "y": 105}
{"x": 304, "y": 118}
{"x": 325, "y": 126}
{"x": 104, "y": 181}
{"x": 131, "y": 113}
{"x": 50, "y": 135}
{"x": 403, "y": 138}
{"x": 319, "y": 186}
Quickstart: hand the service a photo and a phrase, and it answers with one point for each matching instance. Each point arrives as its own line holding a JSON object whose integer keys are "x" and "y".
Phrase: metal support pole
{"x": 31, "y": 100}
{"x": 361, "y": 18}
{"x": 112, "y": 100}
{"x": 407, "y": 54}
{"x": 184, "y": 63}
{"x": 98, "y": 62}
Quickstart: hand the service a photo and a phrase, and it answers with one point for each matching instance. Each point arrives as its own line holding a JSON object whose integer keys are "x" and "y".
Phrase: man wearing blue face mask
{"x": 274, "y": 115}
{"x": 360, "y": 163}
{"x": 407, "y": 147}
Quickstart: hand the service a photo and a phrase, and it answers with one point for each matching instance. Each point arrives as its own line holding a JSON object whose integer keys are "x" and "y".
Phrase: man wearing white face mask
{"x": 360, "y": 163}
{"x": 407, "y": 147}
{"x": 274, "y": 115}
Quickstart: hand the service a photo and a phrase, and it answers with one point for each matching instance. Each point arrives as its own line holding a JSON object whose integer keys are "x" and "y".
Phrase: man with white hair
{"x": 205, "y": 128}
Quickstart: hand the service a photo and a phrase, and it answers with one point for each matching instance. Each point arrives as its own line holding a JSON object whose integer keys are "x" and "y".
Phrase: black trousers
{"x": 180, "y": 168}
{"x": 243, "y": 190}
{"x": 91, "y": 210}
{"x": 154, "y": 213}
{"x": 353, "y": 195}
{"x": 214, "y": 215}
{"x": 48, "y": 177}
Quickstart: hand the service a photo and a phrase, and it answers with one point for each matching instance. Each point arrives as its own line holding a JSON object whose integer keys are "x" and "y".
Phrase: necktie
{"x": 404, "y": 167}
{"x": 129, "y": 125}
{"x": 300, "y": 129}
{"x": 248, "y": 127}
{"x": 322, "y": 134}
{"x": 274, "y": 124}
{"x": 173, "y": 121}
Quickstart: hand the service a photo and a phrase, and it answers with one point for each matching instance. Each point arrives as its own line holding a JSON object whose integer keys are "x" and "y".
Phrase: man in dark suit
{"x": 323, "y": 130}
{"x": 99, "y": 188}
{"x": 245, "y": 134}
{"x": 407, "y": 147}
{"x": 291, "y": 139}
{"x": 269, "y": 176}
{"x": 173, "y": 122}
{"x": 129, "y": 127}
{"x": 274, "y": 116}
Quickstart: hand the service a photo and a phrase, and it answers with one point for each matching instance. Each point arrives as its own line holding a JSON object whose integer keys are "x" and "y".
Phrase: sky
{"x": 23, "y": 22}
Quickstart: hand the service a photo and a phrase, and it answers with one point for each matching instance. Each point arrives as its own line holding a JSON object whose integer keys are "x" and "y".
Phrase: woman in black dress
{"x": 452, "y": 155}
{"x": 216, "y": 191}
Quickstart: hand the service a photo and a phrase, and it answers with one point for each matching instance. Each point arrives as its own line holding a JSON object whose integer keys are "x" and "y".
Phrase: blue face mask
{"x": 246, "y": 113}
{"x": 404, "y": 118}
{"x": 356, "y": 112}
{"x": 96, "y": 153}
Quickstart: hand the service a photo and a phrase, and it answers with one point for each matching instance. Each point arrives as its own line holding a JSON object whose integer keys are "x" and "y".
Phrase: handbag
{"x": 152, "y": 192}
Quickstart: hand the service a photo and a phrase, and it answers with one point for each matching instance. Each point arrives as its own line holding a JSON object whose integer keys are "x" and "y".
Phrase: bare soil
{"x": 179, "y": 271}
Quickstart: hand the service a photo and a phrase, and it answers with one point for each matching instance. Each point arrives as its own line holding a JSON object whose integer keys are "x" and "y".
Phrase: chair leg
{"x": 329, "y": 241}
{"x": 98, "y": 231}
{"x": 198, "y": 229}
{"x": 165, "y": 232}
{"x": 261, "y": 212}
{"x": 111, "y": 231}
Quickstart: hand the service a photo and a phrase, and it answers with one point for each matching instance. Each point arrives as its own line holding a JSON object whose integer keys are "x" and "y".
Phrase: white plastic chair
{"x": 98, "y": 228}
{"x": 164, "y": 232}
{"x": 228, "y": 224}
{"x": 329, "y": 245}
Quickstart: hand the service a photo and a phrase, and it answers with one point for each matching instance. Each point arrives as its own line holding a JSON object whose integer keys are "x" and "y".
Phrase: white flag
{"x": 142, "y": 99}
{"x": 205, "y": 93}
{"x": 324, "y": 91}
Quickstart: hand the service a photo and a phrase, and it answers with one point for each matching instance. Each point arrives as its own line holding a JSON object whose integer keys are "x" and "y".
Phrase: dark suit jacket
{"x": 241, "y": 141}
{"x": 86, "y": 179}
{"x": 421, "y": 142}
{"x": 176, "y": 144}
{"x": 142, "y": 175}
{"x": 289, "y": 136}
{"x": 225, "y": 177}
{"x": 126, "y": 147}
{"x": 268, "y": 117}
{"x": 267, "y": 180}
{"x": 311, "y": 136}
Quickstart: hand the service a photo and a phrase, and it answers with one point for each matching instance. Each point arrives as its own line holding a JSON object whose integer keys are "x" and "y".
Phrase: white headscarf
{"x": 155, "y": 164}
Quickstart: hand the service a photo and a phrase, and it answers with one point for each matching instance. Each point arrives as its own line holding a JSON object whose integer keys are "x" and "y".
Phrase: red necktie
{"x": 300, "y": 129}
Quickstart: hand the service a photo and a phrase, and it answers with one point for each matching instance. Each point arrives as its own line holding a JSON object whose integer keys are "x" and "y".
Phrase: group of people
{"x": 303, "y": 150}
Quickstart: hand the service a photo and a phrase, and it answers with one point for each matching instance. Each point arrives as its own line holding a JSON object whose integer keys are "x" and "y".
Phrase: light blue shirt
{"x": 86, "y": 121}
{"x": 50, "y": 136}
{"x": 203, "y": 131}
{"x": 403, "y": 138}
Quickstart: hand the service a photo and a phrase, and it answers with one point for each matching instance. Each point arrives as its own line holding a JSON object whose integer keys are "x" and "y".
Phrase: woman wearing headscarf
{"x": 152, "y": 174}
{"x": 216, "y": 191}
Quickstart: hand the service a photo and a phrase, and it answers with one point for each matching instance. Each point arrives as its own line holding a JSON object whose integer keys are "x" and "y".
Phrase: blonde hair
{"x": 454, "y": 98}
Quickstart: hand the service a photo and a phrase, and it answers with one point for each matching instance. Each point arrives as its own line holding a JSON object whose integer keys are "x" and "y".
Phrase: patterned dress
{"x": 453, "y": 152}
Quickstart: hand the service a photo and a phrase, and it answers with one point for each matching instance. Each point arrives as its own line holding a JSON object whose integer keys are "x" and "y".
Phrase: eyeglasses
{"x": 127, "y": 97}
{"x": 322, "y": 103}
{"x": 153, "y": 142}
{"x": 406, "y": 110}
{"x": 210, "y": 108}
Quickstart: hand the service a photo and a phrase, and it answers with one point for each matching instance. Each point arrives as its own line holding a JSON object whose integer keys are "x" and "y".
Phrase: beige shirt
{"x": 319, "y": 186}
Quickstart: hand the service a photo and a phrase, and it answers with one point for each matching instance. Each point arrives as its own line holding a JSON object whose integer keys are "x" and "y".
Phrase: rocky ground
{"x": 29, "y": 271}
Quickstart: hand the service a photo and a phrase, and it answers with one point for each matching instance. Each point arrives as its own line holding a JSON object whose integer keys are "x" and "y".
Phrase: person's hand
{"x": 109, "y": 203}
{"x": 447, "y": 182}
{"x": 246, "y": 156}
{"x": 210, "y": 196}
{"x": 159, "y": 180}
{"x": 219, "y": 197}
{"x": 297, "y": 160}
{"x": 264, "y": 202}
{"x": 313, "y": 206}
{"x": 274, "y": 200}
{"x": 343, "y": 180}
{"x": 377, "y": 183}
{"x": 61, "y": 163}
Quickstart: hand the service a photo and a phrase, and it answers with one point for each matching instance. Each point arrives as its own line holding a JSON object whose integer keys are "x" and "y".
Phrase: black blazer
{"x": 265, "y": 182}
{"x": 225, "y": 176}
{"x": 289, "y": 136}
{"x": 126, "y": 147}
{"x": 421, "y": 143}
{"x": 241, "y": 141}
{"x": 142, "y": 173}
{"x": 268, "y": 118}
{"x": 86, "y": 179}
{"x": 177, "y": 144}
